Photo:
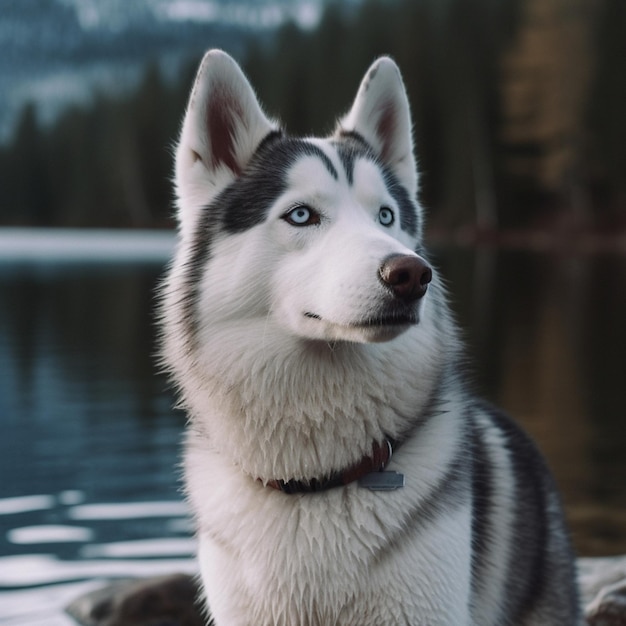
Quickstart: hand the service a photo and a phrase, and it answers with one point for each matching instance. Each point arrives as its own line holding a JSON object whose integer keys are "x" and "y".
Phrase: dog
{"x": 339, "y": 469}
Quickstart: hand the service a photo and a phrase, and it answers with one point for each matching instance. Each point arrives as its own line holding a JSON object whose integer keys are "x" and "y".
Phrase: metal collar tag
{"x": 382, "y": 481}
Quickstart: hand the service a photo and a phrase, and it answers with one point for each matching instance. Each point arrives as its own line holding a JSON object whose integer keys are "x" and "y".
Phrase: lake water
{"x": 89, "y": 485}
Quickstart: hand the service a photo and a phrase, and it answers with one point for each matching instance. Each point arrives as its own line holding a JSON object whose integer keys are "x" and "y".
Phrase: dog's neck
{"x": 376, "y": 461}
{"x": 289, "y": 410}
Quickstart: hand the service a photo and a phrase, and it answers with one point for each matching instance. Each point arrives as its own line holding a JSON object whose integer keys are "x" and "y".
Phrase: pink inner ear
{"x": 386, "y": 129}
{"x": 222, "y": 115}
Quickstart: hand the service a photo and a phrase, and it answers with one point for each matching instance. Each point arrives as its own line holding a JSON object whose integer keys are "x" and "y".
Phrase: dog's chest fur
{"x": 338, "y": 557}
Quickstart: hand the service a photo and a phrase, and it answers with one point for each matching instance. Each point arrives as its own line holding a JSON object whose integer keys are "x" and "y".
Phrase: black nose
{"x": 407, "y": 276}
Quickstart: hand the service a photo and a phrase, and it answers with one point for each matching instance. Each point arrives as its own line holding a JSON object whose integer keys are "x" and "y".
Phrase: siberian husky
{"x": 338, "y": 468}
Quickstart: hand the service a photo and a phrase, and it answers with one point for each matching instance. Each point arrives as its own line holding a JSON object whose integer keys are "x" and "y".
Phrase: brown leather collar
{"x": 376, "y": 462}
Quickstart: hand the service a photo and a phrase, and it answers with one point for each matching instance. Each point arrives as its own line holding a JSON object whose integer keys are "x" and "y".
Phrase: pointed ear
{"x": 381, "y": 115}
{"x": 223, "y": 126}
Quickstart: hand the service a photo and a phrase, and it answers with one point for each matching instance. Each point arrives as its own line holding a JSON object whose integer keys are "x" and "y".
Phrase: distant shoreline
{"x": 75, "y": 245}
{"x": 51, "y": 244}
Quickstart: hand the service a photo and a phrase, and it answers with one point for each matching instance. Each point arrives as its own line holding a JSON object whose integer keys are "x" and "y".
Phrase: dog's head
{"x": 319, "y": 237}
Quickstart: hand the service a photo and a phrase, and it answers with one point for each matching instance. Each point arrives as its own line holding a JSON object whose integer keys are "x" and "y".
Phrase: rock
{"x": 161, "y": 601}
{"x": 173, "y": 600}
{"x": 609, "y": 607}
{"x": 603, "y": 587}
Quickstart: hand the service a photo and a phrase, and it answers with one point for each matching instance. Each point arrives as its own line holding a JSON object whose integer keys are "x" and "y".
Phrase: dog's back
{"x": 316, "y": 355}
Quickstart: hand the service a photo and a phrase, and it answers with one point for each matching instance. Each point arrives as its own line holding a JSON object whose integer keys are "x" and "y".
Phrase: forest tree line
{"x": 518, "y": 111}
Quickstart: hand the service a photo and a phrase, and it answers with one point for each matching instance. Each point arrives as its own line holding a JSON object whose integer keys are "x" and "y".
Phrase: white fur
{"x": 329, "y": 549}
{"x": 268, "y": 403}
{"x": 275, "y": 394}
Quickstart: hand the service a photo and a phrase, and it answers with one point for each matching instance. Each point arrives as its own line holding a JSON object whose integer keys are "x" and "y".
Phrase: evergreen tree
{"x": 26, "y": 196}
{"x": 607, "y": 120}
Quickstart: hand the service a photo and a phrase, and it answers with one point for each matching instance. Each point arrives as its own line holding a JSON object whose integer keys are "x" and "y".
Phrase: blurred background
{"x": 518, "y": 109}
{"x": 518, "y": 104}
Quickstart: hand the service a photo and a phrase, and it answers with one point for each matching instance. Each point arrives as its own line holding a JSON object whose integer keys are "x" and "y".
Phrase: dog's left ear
{"x": 381, "y": 115}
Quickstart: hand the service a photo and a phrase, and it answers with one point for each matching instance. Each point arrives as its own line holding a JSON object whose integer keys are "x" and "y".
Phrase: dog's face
{"x": 314, "y": 236}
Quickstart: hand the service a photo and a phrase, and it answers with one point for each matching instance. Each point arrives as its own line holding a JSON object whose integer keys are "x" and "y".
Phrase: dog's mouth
{"x": 380, "y": 326}
{"x": 388, "y": 320}
{"x": 392, "y": 319}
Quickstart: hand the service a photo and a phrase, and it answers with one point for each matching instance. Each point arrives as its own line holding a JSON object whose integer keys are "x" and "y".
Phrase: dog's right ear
{"x": 223, "y": 126}
{"x": 381, "y": 115}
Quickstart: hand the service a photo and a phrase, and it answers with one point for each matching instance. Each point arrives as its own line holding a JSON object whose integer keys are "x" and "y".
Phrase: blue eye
{"x": 386, "y": 216}
{"x": 302, "y": 215}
